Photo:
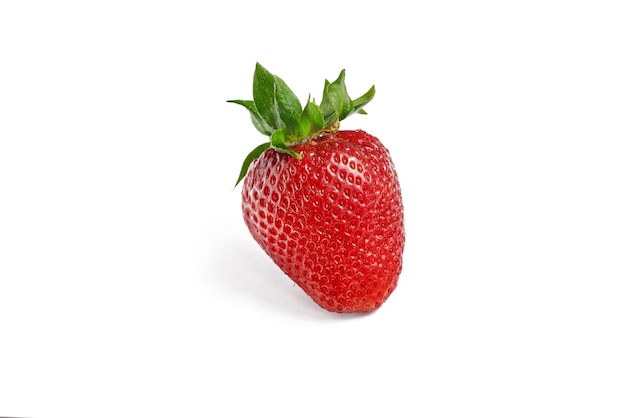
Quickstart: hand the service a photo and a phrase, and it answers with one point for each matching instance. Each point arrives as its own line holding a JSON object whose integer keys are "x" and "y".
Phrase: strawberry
{"x": 323, "y": 203}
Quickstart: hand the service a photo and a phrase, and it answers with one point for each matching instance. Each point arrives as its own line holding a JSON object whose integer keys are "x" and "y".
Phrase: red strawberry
{"x": 324, "y": 204}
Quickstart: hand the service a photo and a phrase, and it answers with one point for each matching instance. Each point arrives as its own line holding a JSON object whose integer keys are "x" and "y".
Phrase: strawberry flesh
{"x": 333, "y": 220}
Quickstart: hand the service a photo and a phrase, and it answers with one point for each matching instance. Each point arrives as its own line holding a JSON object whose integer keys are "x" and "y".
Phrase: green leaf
{"x": 336, "y": 99}
{"x": 279, "y": 143}
{"x": 254, "y": 154}
{"x": 327, "y": 107}
{"x": 289, "y": 107}
{"x": 311, "y": 121}
{"x": 258, "y": 122}
{"x": 264, "y": 94}
{"x": 363, "y": 100}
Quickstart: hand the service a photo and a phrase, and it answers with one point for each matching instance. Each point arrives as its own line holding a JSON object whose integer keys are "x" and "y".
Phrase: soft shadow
{"x": 249, "y": 272}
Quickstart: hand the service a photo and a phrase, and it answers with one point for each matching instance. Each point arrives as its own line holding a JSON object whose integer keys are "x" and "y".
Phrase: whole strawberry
{"x": 324, "y": 204}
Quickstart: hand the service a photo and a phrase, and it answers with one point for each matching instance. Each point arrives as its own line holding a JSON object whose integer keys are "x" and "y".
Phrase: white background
{"x": 130, "y": 287}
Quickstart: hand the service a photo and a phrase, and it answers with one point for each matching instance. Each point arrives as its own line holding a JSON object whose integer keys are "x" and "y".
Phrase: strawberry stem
{"x": 276, "y": 112}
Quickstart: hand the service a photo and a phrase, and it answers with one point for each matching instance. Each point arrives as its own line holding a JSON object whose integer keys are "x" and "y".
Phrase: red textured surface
{"x": 332, "y": 221}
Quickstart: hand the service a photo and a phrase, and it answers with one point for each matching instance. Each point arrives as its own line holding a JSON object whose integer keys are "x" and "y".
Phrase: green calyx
{"x": 276, "y": 112}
